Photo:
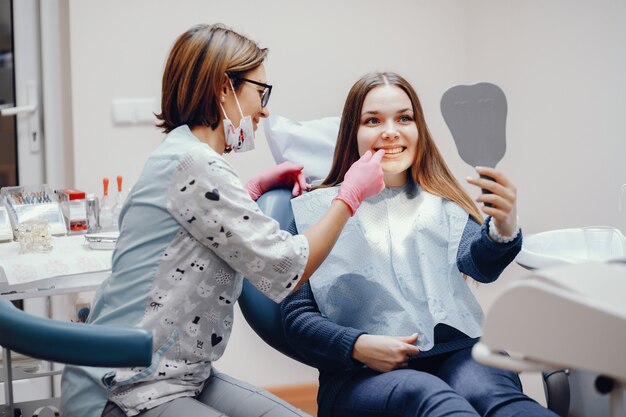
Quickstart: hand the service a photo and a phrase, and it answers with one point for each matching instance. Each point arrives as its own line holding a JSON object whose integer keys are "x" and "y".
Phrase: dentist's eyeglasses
{"x": 265, "y": 94}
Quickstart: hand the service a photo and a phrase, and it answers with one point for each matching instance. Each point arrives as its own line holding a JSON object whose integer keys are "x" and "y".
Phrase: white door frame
{"x": 27, "y": 66}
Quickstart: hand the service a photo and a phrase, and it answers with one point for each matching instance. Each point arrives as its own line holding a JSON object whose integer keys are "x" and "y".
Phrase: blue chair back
{"x": 261, "y": 313}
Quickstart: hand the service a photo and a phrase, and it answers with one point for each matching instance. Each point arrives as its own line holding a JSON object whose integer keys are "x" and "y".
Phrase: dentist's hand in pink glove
{"x": 364, "y": 179}
{"x": 285, "y": 175}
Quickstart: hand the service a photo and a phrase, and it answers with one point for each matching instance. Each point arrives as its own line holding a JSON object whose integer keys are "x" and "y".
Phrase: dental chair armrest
{"x": 73, "y": 343}
{"x": 485, "y": 355}
{"x": 557, "y": 390}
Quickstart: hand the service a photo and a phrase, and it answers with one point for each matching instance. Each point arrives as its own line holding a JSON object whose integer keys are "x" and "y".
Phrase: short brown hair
{"x": 195, "y": 72}
{"x": 429, "y": 170}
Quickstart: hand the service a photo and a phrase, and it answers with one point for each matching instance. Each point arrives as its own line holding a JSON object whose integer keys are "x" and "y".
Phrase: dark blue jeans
{"x": 451, "y": 384}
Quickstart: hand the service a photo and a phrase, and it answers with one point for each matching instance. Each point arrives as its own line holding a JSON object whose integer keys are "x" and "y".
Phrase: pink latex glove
{"x": 285, "y": 175}
{"x": 364, "y": 179}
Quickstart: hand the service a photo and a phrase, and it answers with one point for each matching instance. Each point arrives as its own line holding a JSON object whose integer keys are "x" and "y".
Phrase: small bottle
{"x": 93, "y": 214}
{"x": 119, "y": 202}
{"x": 106, "y": 209}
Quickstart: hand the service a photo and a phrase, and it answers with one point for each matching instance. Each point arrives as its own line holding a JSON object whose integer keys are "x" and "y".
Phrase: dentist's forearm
{"x": 323, "y": 235}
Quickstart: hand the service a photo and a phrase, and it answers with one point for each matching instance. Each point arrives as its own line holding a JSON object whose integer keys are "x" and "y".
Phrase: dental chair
{"x": 63, "y": 342}
{"x": 579, "y": 314}
{"x": 263, "y": 315}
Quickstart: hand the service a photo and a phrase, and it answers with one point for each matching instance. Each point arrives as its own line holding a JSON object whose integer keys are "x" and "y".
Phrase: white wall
{"x": 560, "y": 63}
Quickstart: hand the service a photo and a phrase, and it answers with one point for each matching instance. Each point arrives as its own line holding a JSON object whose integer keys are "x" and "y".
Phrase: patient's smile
{"x": 391, "y": 151}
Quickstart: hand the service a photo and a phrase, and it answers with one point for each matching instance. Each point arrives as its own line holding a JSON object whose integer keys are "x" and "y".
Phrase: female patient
{"x": 389, "y": 319}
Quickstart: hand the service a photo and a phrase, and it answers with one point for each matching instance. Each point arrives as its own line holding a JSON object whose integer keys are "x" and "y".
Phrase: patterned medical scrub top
{"x": 189, "y": 232}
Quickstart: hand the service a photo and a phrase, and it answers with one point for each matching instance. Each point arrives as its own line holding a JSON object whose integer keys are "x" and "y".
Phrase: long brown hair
{"x": 195, "y": 72}
{"x": 429, "y": 170}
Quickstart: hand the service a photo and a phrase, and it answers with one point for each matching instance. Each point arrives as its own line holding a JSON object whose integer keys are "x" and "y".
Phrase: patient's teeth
{"x": 393, "y": 151}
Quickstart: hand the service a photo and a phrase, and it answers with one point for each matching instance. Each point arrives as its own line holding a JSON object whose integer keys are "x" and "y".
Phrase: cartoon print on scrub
{"x": 147, "y": 395}
{"x": 199, "y": 265}
{"x": 188, "y": 186}
{"x": 193, "y": 327}
{"x": 196, "y": 319}
{"x": 190, "y": 306}
{"x": 264, "y": 285}
{"x": 256, "y": 265}
{"x": 205, "y": 290}
{"x": 176, "y": 277}
{"x": 168, "y": 321}
{"x": 215, "y": 338}
{"x": 290, "y": 283}
{"x": 215, "y": 168}
{"x": 212, "y": 219}
{"x": 212, "y": 316}
{"x": 224, "y": 299}
{"x": 212, "y": 195}
{"x": 222, "y": 277}
{"x": 198, "y": 351}
{"x": 221, "y": 238}
{"x": 158, "y": 299}
{"x": 284, "y": 265}
{"x": 187, "y": 215}
{"x": 243, "y": 219}
{"x": 166, "y": 369}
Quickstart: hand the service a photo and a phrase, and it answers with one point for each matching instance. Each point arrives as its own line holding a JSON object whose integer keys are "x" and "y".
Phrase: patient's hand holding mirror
{"x": 476, "y": 117}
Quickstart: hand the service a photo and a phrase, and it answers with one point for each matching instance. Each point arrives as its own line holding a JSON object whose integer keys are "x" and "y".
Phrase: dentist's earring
{"x": 223, "y": 99}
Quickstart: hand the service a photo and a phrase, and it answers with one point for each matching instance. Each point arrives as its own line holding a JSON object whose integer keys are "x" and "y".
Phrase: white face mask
{"x": 239, "y": 139}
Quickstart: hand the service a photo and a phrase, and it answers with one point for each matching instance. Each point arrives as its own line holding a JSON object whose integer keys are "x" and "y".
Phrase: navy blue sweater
{"x": 328, "y": 346}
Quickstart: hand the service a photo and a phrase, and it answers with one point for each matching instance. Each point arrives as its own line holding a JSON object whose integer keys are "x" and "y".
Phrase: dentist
{"x": 190, "y": 231}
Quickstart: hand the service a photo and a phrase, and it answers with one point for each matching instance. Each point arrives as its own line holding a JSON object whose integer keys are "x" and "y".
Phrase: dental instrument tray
{"x": 102, "y": 241}
{"x": 33, "y": 202}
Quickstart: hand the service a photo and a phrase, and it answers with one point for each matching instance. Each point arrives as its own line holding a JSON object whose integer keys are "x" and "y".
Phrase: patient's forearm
{"x": 320, "y": 342}
{"x": 481, "y": 258}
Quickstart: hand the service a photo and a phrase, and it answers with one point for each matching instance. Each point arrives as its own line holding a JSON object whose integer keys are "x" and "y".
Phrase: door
{"x": 21, "y": 155}
{"x": 21, "y": 151}
{"x": 8, "y": 138}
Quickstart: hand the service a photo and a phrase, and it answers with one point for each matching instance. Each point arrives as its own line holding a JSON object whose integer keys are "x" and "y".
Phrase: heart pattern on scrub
{"x": 215, "y": 339}
{"x": 213, "y": 195}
